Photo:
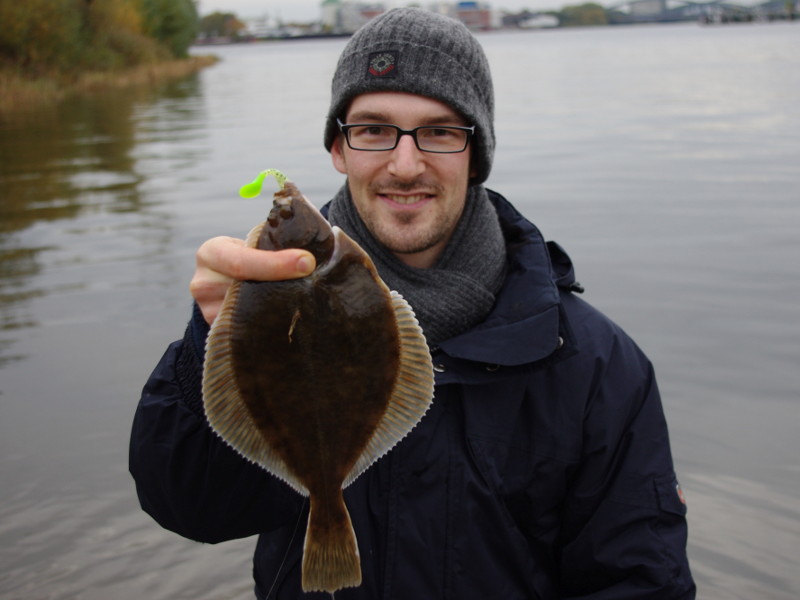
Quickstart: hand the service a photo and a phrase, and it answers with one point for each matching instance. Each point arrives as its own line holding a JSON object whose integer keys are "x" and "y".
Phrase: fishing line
{"x": 289, "y": 547}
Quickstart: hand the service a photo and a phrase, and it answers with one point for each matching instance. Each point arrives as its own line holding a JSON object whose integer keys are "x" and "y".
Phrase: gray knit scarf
{"x": 459, "y": 290}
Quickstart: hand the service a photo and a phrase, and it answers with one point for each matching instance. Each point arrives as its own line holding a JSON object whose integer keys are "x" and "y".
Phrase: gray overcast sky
{"x": 309, "y": 10}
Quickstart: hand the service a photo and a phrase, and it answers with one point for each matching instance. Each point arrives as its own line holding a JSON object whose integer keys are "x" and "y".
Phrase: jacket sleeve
{"x": 624, "y": 529}
{"x": 186, "y": 477}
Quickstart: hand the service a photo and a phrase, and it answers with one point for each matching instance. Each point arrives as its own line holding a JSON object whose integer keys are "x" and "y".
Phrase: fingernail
{"x": 305, "y": 265}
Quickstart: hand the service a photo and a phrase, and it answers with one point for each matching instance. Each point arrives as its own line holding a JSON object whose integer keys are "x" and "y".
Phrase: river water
{"x": 665, "y": 159}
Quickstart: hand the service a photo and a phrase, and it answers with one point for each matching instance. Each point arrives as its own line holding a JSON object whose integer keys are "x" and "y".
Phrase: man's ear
{"x": 337, "y": 155}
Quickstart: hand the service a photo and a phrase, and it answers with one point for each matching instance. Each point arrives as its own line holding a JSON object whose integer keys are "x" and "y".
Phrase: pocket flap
{"x": 670, "y": 495}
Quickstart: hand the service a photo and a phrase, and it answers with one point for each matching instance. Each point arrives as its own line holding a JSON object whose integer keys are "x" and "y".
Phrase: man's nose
{"x": 407, "y": 161}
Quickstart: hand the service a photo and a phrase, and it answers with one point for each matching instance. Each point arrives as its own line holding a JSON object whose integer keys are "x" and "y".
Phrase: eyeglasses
{"x": 377, "y": 137}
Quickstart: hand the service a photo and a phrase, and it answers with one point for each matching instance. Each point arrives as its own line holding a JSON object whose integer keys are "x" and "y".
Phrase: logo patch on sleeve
{"x": 383, "y": 64}
{"x": 679, "y": 491}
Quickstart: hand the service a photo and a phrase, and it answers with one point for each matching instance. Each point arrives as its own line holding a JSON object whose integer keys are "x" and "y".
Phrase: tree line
{"x": 71, "y": 36}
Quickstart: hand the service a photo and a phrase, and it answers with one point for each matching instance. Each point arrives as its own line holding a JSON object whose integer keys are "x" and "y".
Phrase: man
{"x": 542, "y": 469}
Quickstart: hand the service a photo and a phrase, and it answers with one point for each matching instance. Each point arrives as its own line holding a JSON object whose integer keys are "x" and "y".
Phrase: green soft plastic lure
{"x": 253, "y": 189}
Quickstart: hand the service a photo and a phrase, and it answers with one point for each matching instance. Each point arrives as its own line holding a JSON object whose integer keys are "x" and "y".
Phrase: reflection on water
{"x": 82, "y": 234}
{"x": 663, "y": 158}
{"x": 72, "y": 190}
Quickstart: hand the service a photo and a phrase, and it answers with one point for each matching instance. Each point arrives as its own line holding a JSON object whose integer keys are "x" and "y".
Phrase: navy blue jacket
{"x": 542, "y": 470}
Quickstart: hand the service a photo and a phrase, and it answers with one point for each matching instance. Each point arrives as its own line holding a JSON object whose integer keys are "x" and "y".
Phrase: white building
{"x": 342, "y": 16}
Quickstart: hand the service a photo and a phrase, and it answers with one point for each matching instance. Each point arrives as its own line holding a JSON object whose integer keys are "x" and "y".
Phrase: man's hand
{"x": 222, "y": 260}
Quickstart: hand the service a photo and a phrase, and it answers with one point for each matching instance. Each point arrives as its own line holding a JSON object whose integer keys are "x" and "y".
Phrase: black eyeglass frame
{"x": 346, "y": 127}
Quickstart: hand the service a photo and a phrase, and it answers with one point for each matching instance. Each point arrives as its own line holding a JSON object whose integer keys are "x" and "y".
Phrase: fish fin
{"x": 251, "y": 241}
{"x": 412, "y": 394}
{"x": 224, "y": 407}
{"x": 330, "y": 553}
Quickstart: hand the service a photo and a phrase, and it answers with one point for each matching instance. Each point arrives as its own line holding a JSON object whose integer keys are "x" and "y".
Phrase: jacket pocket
{"x": 671, "y": 524}
{"x": 670, "y": 496}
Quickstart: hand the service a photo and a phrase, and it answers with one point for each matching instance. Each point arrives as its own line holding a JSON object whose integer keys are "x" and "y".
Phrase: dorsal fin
{"x": 222, "y": 399}
{"x": 251, "y": 240}
{"x": 412, "y": 394}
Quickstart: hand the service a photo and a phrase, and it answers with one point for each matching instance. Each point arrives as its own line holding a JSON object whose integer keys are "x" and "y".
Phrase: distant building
{"x": 538, "y": 21}
{"x": 447, "y": 9}
{"x": 263, "y": 27}
{"x": 341, "y": 16}
{"x": 704, "y": 11}
{"x": 477, "y": 16}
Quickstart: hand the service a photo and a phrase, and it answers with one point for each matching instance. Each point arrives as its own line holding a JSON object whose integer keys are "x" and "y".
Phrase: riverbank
{"x": 20, "y": 93}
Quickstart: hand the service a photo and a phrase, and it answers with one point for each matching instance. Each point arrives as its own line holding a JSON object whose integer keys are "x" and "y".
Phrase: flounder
{"x": 314, "y": 379}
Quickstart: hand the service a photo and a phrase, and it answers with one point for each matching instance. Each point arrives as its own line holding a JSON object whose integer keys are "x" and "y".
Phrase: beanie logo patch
{"x": 383, "y": 64}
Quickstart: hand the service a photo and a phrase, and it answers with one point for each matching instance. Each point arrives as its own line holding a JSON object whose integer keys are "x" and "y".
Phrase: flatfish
{"x": 314, "y": 379}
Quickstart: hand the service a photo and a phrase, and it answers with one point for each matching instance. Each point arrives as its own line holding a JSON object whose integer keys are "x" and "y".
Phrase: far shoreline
{"x": 20, "y": 93}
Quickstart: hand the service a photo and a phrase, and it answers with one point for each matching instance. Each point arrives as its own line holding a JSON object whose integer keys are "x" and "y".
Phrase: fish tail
{"x": 330, "y": 556}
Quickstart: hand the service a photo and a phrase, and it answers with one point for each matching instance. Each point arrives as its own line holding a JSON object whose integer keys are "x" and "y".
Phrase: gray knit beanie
{"x": 419, "y": 52}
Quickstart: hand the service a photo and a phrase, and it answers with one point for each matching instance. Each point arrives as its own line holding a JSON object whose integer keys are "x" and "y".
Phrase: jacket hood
{"x": 523, "y": 326}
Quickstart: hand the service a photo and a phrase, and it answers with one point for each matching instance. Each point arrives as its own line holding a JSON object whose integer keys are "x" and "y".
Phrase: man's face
{"x": 410, "y": 200}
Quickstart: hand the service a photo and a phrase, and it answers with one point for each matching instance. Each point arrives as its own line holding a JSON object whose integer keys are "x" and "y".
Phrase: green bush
{"x": 219, "y": 24}
{"x": 42, "y": 33}
{"x": 118, "y": 38}
{"x": 174, "y": 23}
{"x": 583, "y": 15}
{"x": 68, "y": 36}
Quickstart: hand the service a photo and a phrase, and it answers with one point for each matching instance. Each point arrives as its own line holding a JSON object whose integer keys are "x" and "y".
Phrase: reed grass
{"x": 23, "y": 93}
